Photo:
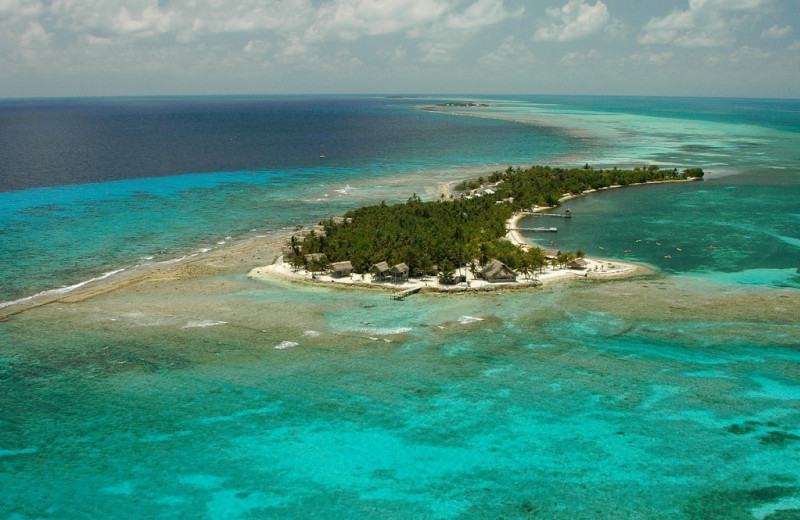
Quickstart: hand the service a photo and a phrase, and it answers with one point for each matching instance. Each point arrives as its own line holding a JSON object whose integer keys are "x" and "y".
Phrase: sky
{"x": 729, "y": 48}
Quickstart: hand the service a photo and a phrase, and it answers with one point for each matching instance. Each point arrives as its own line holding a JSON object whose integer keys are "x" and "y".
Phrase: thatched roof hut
{"x": 318, "y": 231}
{"x": 338, "y": 221}
{"x": 341, "y": 269}
{"x": 551, "y": 253}
{"x": 578, "y": 263}
{"x": 380, "y": 271}
{"x": 497, "y": 271}
{"x": 400, "y": 272}
{"x": 315, "y": 261}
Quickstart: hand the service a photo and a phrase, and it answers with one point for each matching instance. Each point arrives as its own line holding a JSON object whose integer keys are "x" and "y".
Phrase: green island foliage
{"x": 440, "y": 236}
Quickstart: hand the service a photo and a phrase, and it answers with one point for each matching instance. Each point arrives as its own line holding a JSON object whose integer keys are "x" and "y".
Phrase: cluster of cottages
{"x": 494, "y": 271}
{"x": 382, "y": 272}
{"x": 484, "y": 189}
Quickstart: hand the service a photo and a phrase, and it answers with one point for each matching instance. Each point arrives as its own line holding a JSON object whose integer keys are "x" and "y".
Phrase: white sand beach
{"x": 595, "y": 269}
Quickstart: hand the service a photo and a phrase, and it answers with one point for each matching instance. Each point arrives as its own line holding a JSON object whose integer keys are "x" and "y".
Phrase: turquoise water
{"x": 548, "y": 407}
{"x": 672, "y": 396}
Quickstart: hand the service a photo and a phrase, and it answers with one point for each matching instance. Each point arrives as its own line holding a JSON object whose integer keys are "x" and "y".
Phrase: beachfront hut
{"x": 399, "y": 273}
{"x": 315, "y": 261}
{"x": 318, "y": 230}
{"x": 380, "y": 272}
{"x": 551, "y": 254}
{"x": 578, "y": 263}
{"x": 497, "y": 271}
{"x": 341, "y": 269}
{"x": 337, "y": 221}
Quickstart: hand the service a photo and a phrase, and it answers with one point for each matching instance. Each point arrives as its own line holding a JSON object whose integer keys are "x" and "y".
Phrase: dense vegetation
{"x": 427, "y": 236}
{"x": 544, "y": 186}
{"x": 441, "y": 235}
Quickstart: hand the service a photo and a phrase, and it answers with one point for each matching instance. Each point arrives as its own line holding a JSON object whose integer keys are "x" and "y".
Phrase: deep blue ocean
{"x": 671, "y": 396}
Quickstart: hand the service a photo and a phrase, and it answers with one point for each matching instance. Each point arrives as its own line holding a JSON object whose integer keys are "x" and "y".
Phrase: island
{"x": 466, "y": 240}
{"x": 464, "y": 105}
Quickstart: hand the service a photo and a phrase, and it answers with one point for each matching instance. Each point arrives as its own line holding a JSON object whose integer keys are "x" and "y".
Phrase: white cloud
{"x": 187, "y": 20}
{"x": 20, "y": 8}
{"x": 257, "y": 47}
{"x": 510, "y": 51}
{"x": 776, "y": 31}
{"x": 727, "y": 4}
{"x": 749, "y": 54}
{"x": 650, "y": 58}
{"x": 34, "y": 36}
{"x": 707, "y": 23}
{"x": 148, "y": 22}
{"x": 396, "y": 54}
{"x": 438, "y": 51}
{"x": 660, "y": 58}
{"x": 575, "y": 58}
{"x": 576, "y": 20}
{"x": 353, "y": 19}
{"x": 440, "y": 40}
{"x": 480, "y": 14}
{"x": 687, "y": 29}
{"x": 293, "y": 31}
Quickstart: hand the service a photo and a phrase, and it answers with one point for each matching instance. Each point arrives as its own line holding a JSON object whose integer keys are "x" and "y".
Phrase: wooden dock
{"x": 402, "y": 294}
{"x": 537, "y": 229}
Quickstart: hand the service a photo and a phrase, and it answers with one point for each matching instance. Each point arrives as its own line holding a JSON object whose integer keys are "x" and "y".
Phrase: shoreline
{"x": 597, "y": 269}
{"x": 250, "y": 253}
{"x": 511, "y": 224}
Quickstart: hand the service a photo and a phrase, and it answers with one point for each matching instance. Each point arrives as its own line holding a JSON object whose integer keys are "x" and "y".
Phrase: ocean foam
{"x": 23, "y": 451}
{"x": 312, "y": 334}
{"x": 286, "y": 344}
{"x": 382, "y": 331}
{"x": 61, "y": 290}
{"x": 789, "y": 240}
{"x": 464, "y": 320}
{"x": 203, "y": 324}
{"x": 784, "y": 504}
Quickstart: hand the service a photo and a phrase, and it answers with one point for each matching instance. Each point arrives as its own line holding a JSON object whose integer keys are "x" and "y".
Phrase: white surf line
{"x": 61, "y": 290}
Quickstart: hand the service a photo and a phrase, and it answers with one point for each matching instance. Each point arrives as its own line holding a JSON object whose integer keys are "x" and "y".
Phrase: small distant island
{"x": 466, "y": 232}
{"x": 464, "y": 105}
